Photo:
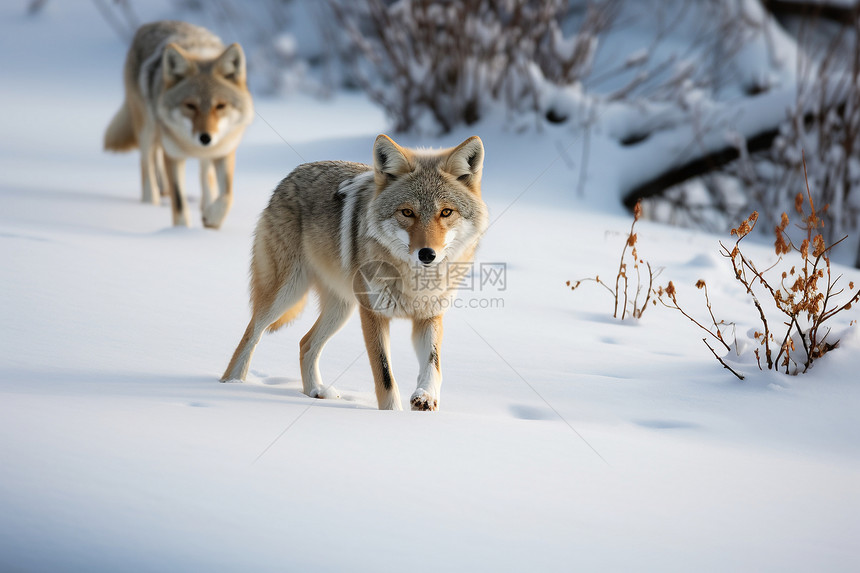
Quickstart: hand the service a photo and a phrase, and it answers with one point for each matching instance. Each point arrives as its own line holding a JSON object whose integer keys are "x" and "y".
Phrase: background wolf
{"x": 185, "y": 96}
{"x": 384, "y": 237}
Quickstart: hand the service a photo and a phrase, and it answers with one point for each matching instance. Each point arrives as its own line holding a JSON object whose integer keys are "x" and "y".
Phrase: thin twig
{"x": 717, "y": 356}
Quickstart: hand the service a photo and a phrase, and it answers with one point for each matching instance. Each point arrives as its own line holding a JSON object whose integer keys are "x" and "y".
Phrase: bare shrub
{"x": 445, "y": 63}
{"x": 802, "y": 298}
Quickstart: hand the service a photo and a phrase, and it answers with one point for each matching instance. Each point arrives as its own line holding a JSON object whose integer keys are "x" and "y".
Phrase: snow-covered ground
{"x": 567, "y": 441}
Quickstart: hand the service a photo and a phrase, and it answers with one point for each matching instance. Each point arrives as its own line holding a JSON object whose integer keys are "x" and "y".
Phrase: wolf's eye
{"x": 190, "y": 106}
{"x": 446, "y": 212}
{"x": 407, "y": 212}
{"x": 221, "y": 105}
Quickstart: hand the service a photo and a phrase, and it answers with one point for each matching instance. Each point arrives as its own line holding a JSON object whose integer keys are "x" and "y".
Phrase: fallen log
{"x": 696, "y": 167}
{"x": 834, "y": 11}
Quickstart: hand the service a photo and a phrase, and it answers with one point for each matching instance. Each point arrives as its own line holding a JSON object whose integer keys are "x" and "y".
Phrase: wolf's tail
{"x": 120, "y": 133}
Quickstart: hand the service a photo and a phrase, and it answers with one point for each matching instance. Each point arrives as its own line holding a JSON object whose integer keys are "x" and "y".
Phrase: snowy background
{"x": 567, "y": 440}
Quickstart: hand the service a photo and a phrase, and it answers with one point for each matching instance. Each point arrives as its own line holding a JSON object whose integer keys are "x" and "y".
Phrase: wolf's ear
{"x": 175, "y": 65}
{"x": 390, "y": 161}
{"x": 231, "y": 64}
{"x": 466, "y": 161}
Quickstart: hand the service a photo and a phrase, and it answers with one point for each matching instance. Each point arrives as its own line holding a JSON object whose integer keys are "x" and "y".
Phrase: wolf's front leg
{"x": 427, "y": 339}
{"x": 175, "y": 169}
{"x": 375, "y": 328}
{"x": 150, "y": 151}
{"x": 215, "y": 212}
{"x": 208, "y": 184}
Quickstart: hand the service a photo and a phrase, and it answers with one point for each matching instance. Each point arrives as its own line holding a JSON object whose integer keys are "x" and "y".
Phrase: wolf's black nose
{"x": 426, "y": 255}
{"x": 205, "y": 138}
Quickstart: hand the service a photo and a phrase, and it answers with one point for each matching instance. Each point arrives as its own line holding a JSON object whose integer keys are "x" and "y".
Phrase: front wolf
{"x": 384, "y": 237}
{"x": 185, "y": 96}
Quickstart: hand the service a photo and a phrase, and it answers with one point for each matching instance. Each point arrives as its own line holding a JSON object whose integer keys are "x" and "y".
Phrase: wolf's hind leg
{"x": 334, "y": 314}
{"x": 376, "y": 338}
{"x": 427, "y": 338}
{"x": 275, "y": 302}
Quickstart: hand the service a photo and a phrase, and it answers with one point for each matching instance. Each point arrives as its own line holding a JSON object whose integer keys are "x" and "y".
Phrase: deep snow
{"x": 121, "y": 452}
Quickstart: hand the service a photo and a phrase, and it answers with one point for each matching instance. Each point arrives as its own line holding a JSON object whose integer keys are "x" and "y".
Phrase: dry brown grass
{"x": 621, "y": 290}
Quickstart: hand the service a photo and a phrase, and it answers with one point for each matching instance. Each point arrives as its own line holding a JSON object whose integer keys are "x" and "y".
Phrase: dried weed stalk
{"x": 803, "y": 296}
{"x": 667, "y": 297}
{"x": 636, "y": 307}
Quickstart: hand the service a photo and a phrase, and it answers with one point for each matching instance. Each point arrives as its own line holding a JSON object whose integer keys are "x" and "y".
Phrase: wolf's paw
{"x": 181, "y": 219}
{"x": 423, "y": 401}
{"x": 324, "y": 392}
{"x": 215, "y": 212}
